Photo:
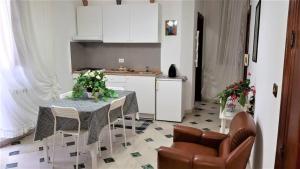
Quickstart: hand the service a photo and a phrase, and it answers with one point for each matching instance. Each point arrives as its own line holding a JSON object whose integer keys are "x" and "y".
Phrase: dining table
{"x": 93, "y": 118}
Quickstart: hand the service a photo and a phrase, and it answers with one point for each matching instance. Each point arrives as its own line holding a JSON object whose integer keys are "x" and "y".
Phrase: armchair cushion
{"x": 194, "y": 149}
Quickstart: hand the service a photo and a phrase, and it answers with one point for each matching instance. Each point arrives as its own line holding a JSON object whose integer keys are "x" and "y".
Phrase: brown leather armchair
{"x": 196, "y": 149}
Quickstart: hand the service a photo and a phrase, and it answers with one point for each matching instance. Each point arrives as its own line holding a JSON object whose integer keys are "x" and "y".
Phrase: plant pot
{"x": 90, "y": 95}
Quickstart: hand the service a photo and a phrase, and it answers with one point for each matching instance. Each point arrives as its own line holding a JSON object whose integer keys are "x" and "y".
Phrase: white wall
{"x": 268, "y": 70}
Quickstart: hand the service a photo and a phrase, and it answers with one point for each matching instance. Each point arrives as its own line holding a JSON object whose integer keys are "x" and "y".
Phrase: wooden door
{"x": 288, "y": 143}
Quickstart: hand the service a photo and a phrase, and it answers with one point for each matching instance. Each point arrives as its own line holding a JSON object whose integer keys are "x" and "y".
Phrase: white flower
{"x": 92, "y": 74}
{"x": 98, "y": 77}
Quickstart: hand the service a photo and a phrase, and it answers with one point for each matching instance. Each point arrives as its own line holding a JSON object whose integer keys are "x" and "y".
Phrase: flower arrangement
{"x": 94, "y": 83}
{"x": 237, "y": 91}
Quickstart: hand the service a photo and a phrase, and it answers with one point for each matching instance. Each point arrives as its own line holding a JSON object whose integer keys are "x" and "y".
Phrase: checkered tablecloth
{"x": 93, "y": 115}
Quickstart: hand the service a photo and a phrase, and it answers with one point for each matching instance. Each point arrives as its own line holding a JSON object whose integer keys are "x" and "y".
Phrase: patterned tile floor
{"x": 141, "y": 152}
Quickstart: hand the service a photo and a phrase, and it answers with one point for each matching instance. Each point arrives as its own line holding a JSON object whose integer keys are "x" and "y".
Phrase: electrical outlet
{"x": 121, "y": 60}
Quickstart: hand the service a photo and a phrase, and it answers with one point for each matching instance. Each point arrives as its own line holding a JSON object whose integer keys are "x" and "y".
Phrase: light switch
{"x": 275, "y": 89}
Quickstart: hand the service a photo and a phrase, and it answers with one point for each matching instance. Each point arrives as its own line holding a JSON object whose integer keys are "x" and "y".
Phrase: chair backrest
{"x": 65, "y": 95}
{"x": 117, "y": 103}
{"x": 66, "y": 112}
{"x": 242, "y": 126}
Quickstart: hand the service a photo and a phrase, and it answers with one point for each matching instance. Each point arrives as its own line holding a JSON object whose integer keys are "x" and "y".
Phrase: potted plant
{"x": 92, "y": 83}
{"x": 237, "y": 92}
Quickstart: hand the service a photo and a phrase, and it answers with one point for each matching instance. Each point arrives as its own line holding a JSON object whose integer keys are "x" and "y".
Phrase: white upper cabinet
{"x": 89, "y": 23}
{"x": 144, "y": 23}
{"x": 116, "y": 23}
{"x": 138, "y": 23}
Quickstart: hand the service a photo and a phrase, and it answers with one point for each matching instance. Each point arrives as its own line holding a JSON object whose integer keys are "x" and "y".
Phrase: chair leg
{"x": 62, "y": 138}
{"x": 99, "y": 146}
{"x": 53, "y": 149}
{"x": 110, "y": 138}
{"x": 133, "y": 123}
{"x": 77, "y": 149}
{"x": 124, "y": 132}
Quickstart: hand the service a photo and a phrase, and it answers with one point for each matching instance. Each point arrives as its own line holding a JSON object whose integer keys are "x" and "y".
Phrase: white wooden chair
{"x": 118, "y": 103}
{"x": 71, "y": 113}
{"x": 133, "y": 116}
{"x": 64, "y": 96}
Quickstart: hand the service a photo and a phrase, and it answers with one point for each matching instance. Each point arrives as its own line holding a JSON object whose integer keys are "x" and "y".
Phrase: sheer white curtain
{"x": 225, "y": 45}
{"x": 27, "y": 78}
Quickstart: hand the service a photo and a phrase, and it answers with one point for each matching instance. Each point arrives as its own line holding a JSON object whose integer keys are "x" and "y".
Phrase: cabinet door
{"x": 144, "y": 23}
{"x": 89, "y": 21}
{"x": 145, "y": 92}
{"x": 169, "y": 101}
{"x": 116, "y": 23}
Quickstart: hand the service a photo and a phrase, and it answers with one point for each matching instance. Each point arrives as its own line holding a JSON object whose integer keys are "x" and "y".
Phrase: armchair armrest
{"x": 208, "y": 162}
{"x": 187, "y": 134}
{"x": 170, "y": 158}
{"x": 212, "y": 139}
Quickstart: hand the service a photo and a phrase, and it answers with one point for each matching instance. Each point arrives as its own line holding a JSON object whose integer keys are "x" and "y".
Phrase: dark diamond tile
{"x": 208, "y": 120}
{"x": 139, "y": 132}
{"x": 70, "y": 143}
{"x": 42, "y": 160}
{"x": 158, "y": 128}
{"x": 11, "y": 165}
{"x": 13, "y": 153}
{"x": 41, "y": 148}
{"x": 79, "y": 166}
{"x": 214, "y": 107}
{"x": 193, "y": 122}
{"x": 149, "y": 140}
{"x": 119, "y": 135}
{"x": 147, "y": 166}
{"x": 67, "y": 135}
{"x": 103, "y": 148}
{"x": 128, "y": 144}
{"x": 212, "y": 113}
{"x": 219, "y": 126}
{"x": 169, "y": 136}
{"x": 109, "y": 160}
{"x": 128, "y": 127}
{"x": 206, "y": 129}
{"x": 136, "y": 154}
{"x": 16, "y": 142}
{"x": 73, "y": 154}
{"x": 197, "y": 115}
{"x": 197, "y": 108}
{"x": 128, "y": 118}
{"x": 140, "y": 128}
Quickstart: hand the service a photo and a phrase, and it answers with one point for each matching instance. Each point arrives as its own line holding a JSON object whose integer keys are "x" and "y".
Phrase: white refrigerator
{"x": 169, "y": 99}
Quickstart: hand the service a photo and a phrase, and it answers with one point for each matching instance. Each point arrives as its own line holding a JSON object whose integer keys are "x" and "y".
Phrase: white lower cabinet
{"x": 169, "y": 100}
{"x": 144, "y": 86}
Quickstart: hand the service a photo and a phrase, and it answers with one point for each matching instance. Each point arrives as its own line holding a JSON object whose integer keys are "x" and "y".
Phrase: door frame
{"x": 294, "y": 7}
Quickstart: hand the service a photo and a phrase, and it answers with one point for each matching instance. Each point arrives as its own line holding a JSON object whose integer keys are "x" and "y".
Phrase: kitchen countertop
{"x": 129, "y": 73}
{"x": 133, "y": 73}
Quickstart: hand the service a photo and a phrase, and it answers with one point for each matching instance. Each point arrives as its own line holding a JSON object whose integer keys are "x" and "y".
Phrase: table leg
{"x": 223, "y": 126}
{"x": 93, "y": 148}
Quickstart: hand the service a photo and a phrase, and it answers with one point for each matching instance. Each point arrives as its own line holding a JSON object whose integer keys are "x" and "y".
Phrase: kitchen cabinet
{"x": 89, "y": 23}
{"x": 169, "y": 99}
{"x": 116, "y": 23}
{"x": 144, "y": 86}
{"x": 136, "y": 23}
{"x": 144, "y": 23}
